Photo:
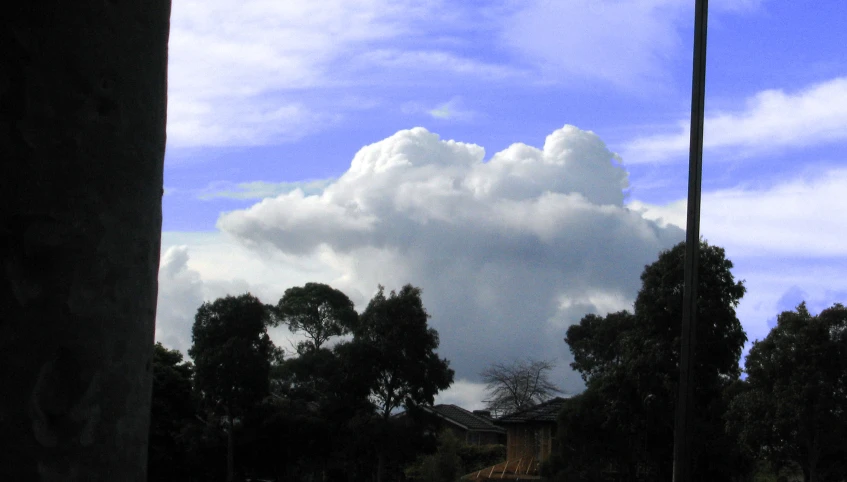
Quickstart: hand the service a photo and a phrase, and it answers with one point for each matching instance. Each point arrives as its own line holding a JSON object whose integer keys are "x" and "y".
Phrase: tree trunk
{"x": 82, "y": 141}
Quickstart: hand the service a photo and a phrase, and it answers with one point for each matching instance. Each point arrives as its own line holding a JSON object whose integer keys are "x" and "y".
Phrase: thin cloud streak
{"x": 771, "y": 120}
{"x": 800, "y": 218}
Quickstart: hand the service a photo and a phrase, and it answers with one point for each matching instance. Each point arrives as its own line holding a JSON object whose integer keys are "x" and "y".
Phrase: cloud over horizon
{"x": 509, "y": 251}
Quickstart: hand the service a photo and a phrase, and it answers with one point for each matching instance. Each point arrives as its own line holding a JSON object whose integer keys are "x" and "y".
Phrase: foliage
{"x": 172, "y": 408}
{"x": 316, "y": 400}
{"x": 445, "y": 465}
{"x": 310, "y": 417}
{"x": 793, "y": 407}
{"x": 596, "y": 343}
{"x": 401, "y": 346}
{"x": 477, "y": 457}
{"x": 518, "y": 385}
{"x": 623, "y": 422}
{"x": 720, "y": 336}
{"x": 470, "y": 458}
{"x": 232, "y": 354}
{"x": 318, "y": 310}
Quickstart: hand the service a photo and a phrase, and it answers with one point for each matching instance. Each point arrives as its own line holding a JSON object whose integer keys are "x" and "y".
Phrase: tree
{"x": 318, "y": 310}
{"x": 232, "y": 354}
{"x": 321, "y": 392}
{"x": 445, "y": 465}
{"x": 793, "y": 407}
{"x": 518, "y": 385}
{"x": 407, "y": 372}
{"x": 82, "y": 110}
{"x": 631, "y": 363}
{"x": 596, "y": 343}
{"x": 172, "y": 408}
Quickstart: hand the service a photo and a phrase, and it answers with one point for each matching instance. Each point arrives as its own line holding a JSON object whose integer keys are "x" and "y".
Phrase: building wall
{"x": 485, "y": 438}
{"x": 473, "y": 437}
{"x": 530, "y": 441}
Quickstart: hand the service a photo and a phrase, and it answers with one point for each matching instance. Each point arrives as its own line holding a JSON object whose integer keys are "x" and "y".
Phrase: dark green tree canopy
{"x": 658, "y": 307}
{"x": 596, "y": 343}
{"x": 172, "y": 408}
{"x": 402, "y": 346}
{"x": 232, "y": 352}
{"x": 317, "y": 310}
{"x": 171, "y": 383}
{"x": 630, "y": 362}
{"x": 793, "y": 407}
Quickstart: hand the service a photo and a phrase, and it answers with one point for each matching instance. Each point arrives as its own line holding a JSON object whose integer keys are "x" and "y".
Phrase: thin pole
{"x": 683, "y": 433}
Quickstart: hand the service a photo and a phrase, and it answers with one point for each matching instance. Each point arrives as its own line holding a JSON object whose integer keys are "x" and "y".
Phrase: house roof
{"x": 543, "y": 412}
{"x": 463, "y": 418}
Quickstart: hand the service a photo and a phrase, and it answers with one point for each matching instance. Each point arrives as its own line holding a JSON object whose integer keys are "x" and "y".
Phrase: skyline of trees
{"x": 336, "y": 398}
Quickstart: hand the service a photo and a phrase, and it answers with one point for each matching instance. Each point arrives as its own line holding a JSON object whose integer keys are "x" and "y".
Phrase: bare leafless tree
{"x": 518, "y": 385}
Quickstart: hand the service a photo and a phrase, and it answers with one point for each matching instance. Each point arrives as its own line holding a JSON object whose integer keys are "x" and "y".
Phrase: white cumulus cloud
{"x": 508, "y": 251}
{"x": 180, "y": 294}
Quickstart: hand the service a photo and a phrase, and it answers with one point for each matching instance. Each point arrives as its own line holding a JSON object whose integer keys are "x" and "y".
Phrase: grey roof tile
{"x": 464, "y": 418}
{"x": 543, "y": 412}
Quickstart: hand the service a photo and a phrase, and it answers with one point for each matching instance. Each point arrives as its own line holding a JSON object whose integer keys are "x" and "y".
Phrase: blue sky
{"x": 294, "y": 155}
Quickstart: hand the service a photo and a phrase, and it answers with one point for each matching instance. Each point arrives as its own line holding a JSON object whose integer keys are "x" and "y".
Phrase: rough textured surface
{"x": 82, "y": 139}
{"x": 543, "y": 412}
{"x": 466, "y": 419}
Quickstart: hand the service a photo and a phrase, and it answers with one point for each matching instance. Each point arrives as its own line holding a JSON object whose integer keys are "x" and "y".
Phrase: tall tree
{"x": 317, "y": 310}
{"x": 793, "y": 408}
{"x": 172, "y": 408}
{"x": 232, "y": 354}
{"x": 596, "y": 343}
{"x": 393, "y": 329}
{"x": 518, "y": 385}
{"x": 409, "y": 371}
{"x": 82, "y": 116}
{"x": 632, "y": 360}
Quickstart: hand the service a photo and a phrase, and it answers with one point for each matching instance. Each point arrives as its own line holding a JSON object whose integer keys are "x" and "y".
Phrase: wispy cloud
{"x": 453, "y": 109}
{"x": 623, "y": 43}
{"x": 260, "y": 72}
{"x": 627, "y": 44}
{"x": 261, "y": 189}
{"x": 233, "y": 67}
{"x": 771, "y": 119}
{"x": 248, "y": 73}
{"x": 799, "y": 218}
{"x": 415, "y": 61}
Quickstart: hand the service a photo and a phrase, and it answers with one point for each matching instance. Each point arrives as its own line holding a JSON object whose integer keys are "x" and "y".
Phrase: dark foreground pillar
{"x": 82, "y": 141}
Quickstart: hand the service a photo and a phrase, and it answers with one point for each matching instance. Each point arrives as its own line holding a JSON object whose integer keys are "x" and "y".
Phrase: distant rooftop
{"x": 464, "y": 418}
{"x": 543, "y": 412}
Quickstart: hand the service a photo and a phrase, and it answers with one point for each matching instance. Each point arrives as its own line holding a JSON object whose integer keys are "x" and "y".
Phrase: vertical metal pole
{"x": 683, "y": 435}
